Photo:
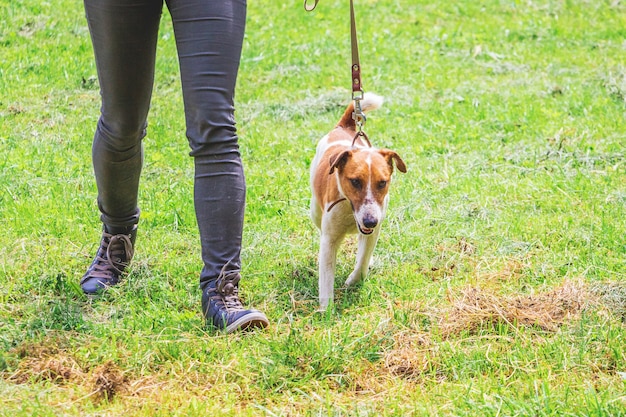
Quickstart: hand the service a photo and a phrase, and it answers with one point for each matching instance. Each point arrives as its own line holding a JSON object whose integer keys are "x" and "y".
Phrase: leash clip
{"x": 358, "y": 115}
{"x": 359, "y": 119}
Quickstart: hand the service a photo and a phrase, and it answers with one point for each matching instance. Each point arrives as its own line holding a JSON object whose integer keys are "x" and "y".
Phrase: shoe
{"x": 113, "y": 256}
{"x": 223, "y": 309}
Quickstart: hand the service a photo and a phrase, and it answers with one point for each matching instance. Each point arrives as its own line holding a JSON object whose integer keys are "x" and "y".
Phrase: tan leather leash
{"x": 357, "y": 86}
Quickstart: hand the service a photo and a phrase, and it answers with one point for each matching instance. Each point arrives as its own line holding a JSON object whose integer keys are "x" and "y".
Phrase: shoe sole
{"x": 248, "y": 322}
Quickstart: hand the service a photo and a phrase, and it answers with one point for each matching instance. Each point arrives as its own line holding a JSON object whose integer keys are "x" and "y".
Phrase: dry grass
{"x": 415, "y": 354}
{"x": 57, "y": 368}
{"x": 411, "y": 356}
{"x": 49, "y": 362}
{"x": 476, "y": 309}
{"x": 108, "y": 381}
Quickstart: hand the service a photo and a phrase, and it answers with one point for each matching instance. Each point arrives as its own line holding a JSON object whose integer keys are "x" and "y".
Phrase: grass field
{"x": 499, "y": 280}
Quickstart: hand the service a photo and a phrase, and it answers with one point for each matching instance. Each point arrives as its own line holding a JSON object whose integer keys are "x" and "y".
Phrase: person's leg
{"x": 124, "y": 36}
{"x": 209, "y": 36}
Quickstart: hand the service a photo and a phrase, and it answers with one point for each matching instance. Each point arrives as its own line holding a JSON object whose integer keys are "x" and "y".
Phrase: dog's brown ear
{"x": 339, "y": 161}
{"x": 391, "y": 156}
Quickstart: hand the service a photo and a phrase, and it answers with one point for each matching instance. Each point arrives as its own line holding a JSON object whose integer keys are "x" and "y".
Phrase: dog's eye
{"x": 382, "y": 184}
{"x": 356, "y": 183}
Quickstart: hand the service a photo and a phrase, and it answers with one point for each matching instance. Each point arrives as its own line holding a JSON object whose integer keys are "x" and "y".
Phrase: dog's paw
{"x": 353, "y": 279}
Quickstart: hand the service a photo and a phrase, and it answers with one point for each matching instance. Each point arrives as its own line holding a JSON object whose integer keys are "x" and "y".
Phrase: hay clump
{"x": 476, "y": 309}
{"x": 59, "y": 369}
{"x": 108, "y": 381}
{"x": 411, "y": 356}
{"x": 50, "y": 361}
{"x": 45, "y": 362}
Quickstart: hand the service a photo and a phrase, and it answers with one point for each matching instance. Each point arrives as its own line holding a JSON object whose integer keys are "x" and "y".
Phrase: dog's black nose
{"x": 370, "y": 222}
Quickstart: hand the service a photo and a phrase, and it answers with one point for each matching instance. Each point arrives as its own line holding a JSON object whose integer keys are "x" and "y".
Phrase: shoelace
{"x": 112, "y": 250}
{"x": 227, "y": 290}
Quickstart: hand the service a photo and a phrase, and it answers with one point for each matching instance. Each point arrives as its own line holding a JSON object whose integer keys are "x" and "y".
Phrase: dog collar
{"x": 335, "y": 203}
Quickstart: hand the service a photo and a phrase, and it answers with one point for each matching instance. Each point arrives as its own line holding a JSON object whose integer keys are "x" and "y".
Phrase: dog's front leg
{"x": 367, "y": 243}
{"x": 327, "y": 263}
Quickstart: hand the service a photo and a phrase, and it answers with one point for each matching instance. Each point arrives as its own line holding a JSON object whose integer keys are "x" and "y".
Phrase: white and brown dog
{"x": 350, "y": 183}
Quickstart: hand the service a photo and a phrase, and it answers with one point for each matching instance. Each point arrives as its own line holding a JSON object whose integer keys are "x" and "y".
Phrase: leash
{"x": 357, "y": 86}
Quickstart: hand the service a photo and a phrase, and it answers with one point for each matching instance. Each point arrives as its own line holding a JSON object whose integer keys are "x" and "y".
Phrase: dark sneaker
{"x": 222, "y": 307}
{"x": 113, "y": 256}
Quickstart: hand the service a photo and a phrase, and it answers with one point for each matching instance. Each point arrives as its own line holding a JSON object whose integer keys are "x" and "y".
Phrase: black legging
{"x": 209, "y": 36}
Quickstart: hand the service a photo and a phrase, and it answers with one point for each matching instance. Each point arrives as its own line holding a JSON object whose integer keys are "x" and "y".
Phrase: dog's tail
{"x": 369, "y": 102}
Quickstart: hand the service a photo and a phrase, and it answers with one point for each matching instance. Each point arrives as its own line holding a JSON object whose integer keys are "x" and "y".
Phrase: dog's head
{"x": 363, "y": 178}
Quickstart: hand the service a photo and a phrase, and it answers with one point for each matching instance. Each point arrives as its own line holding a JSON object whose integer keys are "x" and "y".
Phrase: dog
{"x": 349, "y": 185}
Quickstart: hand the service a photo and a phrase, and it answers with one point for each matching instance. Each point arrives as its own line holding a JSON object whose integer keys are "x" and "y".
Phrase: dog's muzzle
{"x": 368, "y": 225}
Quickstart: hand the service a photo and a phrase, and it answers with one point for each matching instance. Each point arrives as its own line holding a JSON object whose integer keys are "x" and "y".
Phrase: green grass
{"x": 510, "y": 117}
